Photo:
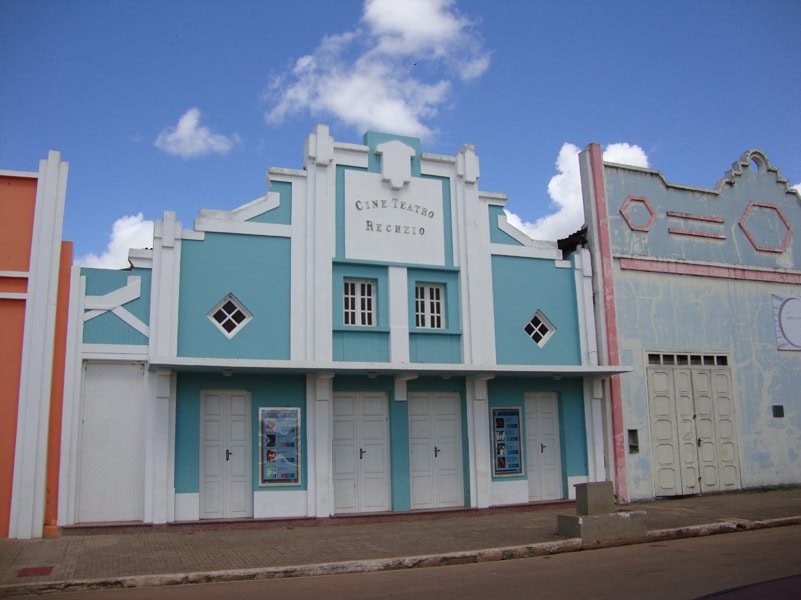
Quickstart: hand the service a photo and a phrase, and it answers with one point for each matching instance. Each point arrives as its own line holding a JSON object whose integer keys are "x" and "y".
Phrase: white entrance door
{"x": 543, "y": 454}
{"x": 111, "y": 471}
{"x": 361, "y": 452}
{"x": 693, "y": 435}
{"x": 226, "y": 489}
{"x": 435, "y": 450}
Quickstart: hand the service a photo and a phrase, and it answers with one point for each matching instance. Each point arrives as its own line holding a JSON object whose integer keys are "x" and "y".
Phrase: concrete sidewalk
{"x": 193, "y": 553}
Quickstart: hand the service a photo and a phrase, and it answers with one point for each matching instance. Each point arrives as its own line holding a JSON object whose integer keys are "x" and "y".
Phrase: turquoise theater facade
{"x": 371, "y": 335}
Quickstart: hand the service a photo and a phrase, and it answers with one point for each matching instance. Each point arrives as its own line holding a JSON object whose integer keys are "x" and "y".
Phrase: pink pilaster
{"x": 610, "y": 314}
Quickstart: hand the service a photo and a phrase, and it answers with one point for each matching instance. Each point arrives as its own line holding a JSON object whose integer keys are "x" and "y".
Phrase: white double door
{"x": 361, "y": 470}
{"x": 693, "y": 431}
{"x": 226, "y": 488}
{"x": 543, "y": 454}
{"x": 435, "y": 450}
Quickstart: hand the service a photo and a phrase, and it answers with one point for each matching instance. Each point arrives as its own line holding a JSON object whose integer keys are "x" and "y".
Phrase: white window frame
{"x": 429, "y": 306}
{"x": 359, "y": 302}
{"x": 545, "y": 325}
{"x": 238, "y": 325}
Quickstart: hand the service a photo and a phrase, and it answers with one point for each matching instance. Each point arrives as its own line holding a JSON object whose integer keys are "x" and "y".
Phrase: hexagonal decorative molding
{"x": 777, "y": 211}
{"x": 624, "y": 210}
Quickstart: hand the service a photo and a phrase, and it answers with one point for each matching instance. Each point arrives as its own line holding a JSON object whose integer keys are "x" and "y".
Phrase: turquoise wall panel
{"x": 509, "y": 392}
{"x": 266, "y": 391}
{"x": 520, "y": 287}
{"x": 257, "y": 271}
{"x": 496, "y": 235}
{"x": 361, "y": 346}
{"x": 108, "y": 328}
{"x": 435, "y": 348}
{"x": 281, "y": 215}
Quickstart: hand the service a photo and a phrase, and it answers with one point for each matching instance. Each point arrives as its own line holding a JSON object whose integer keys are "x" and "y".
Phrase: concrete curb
{"x": 389, "y": 564}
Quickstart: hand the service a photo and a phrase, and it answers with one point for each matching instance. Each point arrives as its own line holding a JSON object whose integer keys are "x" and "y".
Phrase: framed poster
{"x": 506, "y": 456}
{"x": 279, "y": 446}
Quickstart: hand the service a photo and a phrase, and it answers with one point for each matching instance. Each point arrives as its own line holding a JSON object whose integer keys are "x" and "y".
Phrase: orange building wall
{"x": 17, "y": 204}
{"x": 57, "y": 392}
{"x": 12, "y": 322}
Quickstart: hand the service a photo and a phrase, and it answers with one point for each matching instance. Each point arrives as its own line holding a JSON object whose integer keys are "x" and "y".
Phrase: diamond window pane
{"x": 539, "y": 329}
{"x": 230, "y": 316}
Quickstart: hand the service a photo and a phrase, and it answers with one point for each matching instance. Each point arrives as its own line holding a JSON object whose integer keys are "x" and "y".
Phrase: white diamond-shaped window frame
{"x": 539, "y": 329}
{"x": 230, "y": 316}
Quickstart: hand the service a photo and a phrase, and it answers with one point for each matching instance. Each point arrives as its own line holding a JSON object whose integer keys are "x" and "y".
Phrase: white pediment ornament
{"x": 396, "y": 166}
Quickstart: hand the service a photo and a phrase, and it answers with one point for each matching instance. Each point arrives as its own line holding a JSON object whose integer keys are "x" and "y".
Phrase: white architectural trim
{"x": 478, "y": 425}
{"x": 526, "y": 251}
{"x": 13, "y": 295}
{"x": 26, "y": 517}
{"x": 400, "y": 388}
{"x": 191, "y": 234}
{"x": 321, "y": 157}
{"x": 387, "y": 368}
{"x": 319, "y": 405}
{"x": 398, "y": 282}
{"x": 15, "y": 274}
{"x": 187, "y": 507}
{"x": 300, "y": 336}
{"x": 242, "y": 228}
{"x": 136, "y": 352}
{"x": 471, "y": 243}
{"x": 70, "y": 419}
{"x": 141, "y": 258}
{"x": 158, "y": 484}
{"x": 286, "y": 504}
{"x": 113, "y": 301}
{"x": 164, "y": 291}
{"x": 24, "y": 174}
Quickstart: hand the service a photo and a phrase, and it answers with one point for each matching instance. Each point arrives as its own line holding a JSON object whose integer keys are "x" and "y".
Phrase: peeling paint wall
{"x": 696, "y": 271}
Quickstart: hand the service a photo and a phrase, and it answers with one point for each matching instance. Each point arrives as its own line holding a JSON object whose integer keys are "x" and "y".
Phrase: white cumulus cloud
{"x": 130, "y": 231}
{"x": 189, "y": 139}
{"x": 564, "y": 189}
{"x": 392, "y": 73}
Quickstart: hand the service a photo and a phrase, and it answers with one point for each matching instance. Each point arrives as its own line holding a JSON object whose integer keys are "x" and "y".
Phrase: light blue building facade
{"x": 371, "y": 335}
{"x": 701, "y": 295}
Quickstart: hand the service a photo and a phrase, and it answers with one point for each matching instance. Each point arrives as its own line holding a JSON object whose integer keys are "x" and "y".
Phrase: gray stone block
{"x": 595, "y": 498}
{"x": 603, "y": 528}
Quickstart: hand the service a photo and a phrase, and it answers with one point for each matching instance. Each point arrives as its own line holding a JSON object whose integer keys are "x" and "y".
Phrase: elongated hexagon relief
{"x": 638, "y": 213}
{"x": 766, "y": 227}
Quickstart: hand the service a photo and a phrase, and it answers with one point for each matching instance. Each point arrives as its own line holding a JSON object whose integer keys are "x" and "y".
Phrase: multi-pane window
{"x": 429, "y": 300}
{"x": 230, "y": 316}
{"x": 358, "y": 302}
{"x": 539, "y": 329}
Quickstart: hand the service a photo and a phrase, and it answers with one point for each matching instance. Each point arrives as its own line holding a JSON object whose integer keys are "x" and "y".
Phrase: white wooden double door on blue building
{"x": 361, "y": 452}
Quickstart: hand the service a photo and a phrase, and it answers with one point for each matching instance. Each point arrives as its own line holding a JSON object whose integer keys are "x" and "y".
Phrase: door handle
{"x": 362, "y": 452}
{"x": 542, "y": 448}
{"x": 228, "y": 454}
{"x": 436, "y": 451}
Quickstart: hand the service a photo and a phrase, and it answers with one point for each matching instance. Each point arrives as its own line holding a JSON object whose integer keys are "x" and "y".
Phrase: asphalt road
{"x": 674, "y": 570}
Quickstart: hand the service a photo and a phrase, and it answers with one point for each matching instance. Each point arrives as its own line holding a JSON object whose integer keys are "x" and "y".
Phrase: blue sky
{"x": 184, "y": 105}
